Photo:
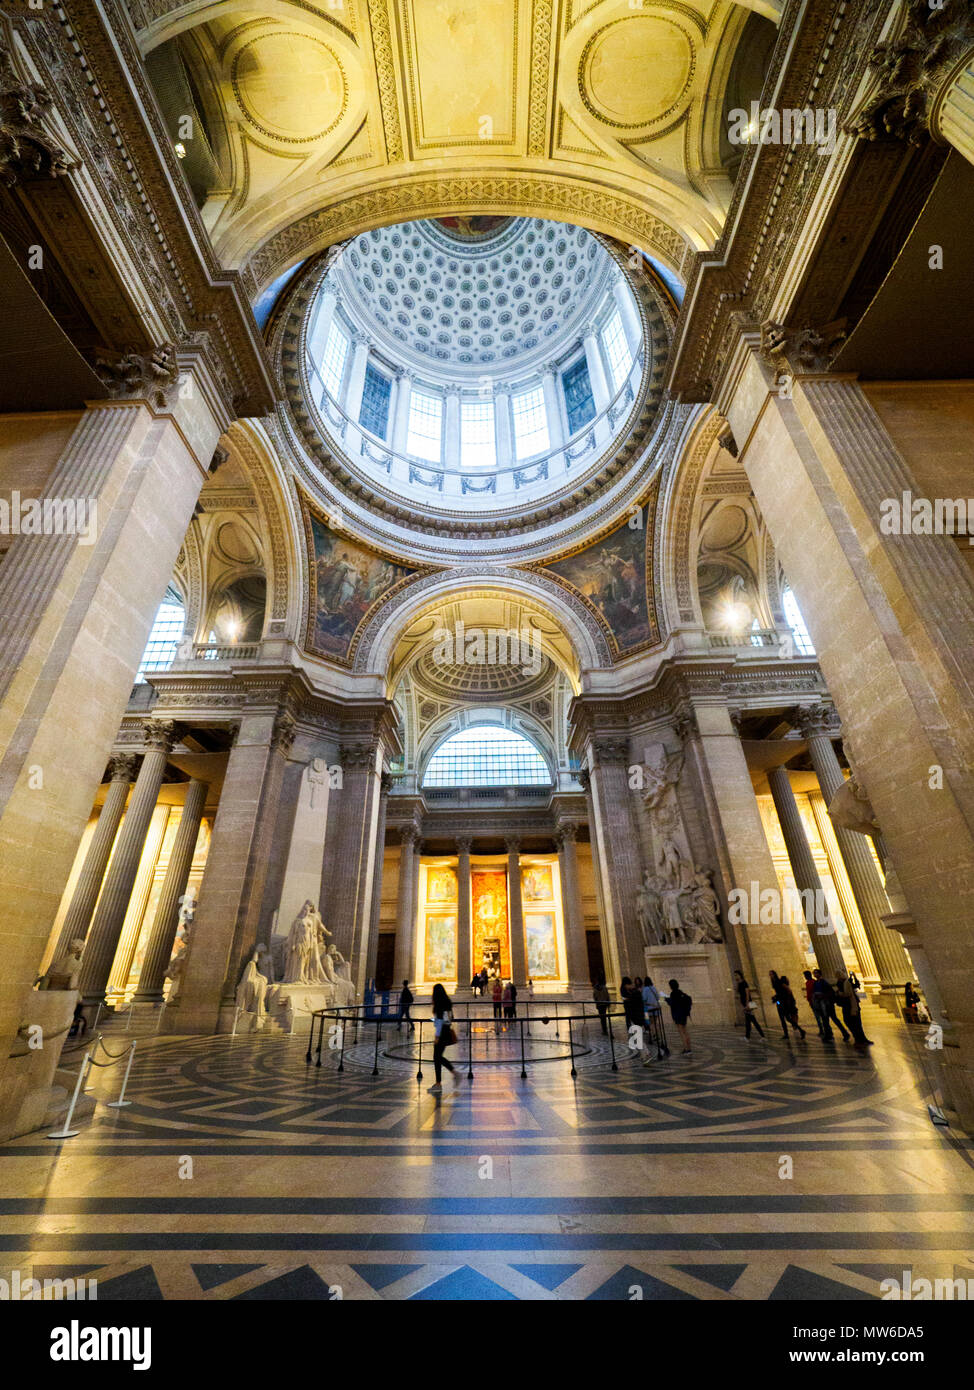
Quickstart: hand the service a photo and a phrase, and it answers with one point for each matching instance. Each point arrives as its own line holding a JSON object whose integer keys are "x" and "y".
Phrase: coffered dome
{"x": 445, "y": 303}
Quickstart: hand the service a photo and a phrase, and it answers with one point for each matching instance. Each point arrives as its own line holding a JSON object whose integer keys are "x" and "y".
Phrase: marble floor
{"x": 749, "y": 1170}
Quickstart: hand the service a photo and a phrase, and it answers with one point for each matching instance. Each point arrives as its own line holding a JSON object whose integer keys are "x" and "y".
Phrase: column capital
{"x": 385, "y": 782}
{"x": 566, "y": 833}
{"x": 137, "y": 375}
{"x": 685, "y": 724}
{"x": 353, "y": 755}
{"x": 912, "y": 67}
{"x": 513, "y": 844}
{"x": 610, "y": 750}
{"x": 737, "y": 717}
{"x": 121, "y": 767}
{"x": 283, "y": 732}
{"x": 408, "y": 835}
{"x": 160, "y": 733}
{"x": 818, "y": 721}
{"x": 464, "y": 843}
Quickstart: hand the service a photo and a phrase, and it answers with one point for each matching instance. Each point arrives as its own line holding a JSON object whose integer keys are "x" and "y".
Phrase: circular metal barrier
{"x": 539, "y": 1031}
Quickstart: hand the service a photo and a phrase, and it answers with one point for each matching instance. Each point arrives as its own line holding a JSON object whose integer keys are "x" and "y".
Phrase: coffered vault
{"x": 604, "y": 114}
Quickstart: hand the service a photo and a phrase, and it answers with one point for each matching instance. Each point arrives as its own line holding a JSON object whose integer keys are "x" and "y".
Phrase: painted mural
{"x": 441, "y": 946}
{"x": 491, "y": 938}
{"x": 611, "y": 574}
{"x": 348, "y": 581}
{"x": 542, "y": 949}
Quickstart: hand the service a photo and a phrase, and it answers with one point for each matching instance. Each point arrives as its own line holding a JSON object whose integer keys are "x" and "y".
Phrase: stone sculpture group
{"x": 308, "y": 963}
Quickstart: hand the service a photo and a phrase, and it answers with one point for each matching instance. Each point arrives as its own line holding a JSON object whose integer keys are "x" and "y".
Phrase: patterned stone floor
{"x": 241, "y": 1173}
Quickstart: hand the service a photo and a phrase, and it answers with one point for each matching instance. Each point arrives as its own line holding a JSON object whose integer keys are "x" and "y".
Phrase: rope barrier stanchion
{"x": 469, "y": 1047}
{"x": 311, "y": 1038}
{"x": 342, "y": 1024}
{"x": 419, "y": 1059}
{"x": 375, "y": 1060}
{"x": 524, "y": 1070}
{"x": 121, "y": 1102}
{"x": 571, "y": 1047}
{"x": 321, "y": 1039}
{"x": 612, "y": 1040}
{"x": 556, "y": 1018}
{"x": 67, "y": 1132}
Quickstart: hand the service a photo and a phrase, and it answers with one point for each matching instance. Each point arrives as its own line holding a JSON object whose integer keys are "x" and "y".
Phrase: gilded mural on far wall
{"x": 611, "y": 575}
{"x": 347, "y": 581}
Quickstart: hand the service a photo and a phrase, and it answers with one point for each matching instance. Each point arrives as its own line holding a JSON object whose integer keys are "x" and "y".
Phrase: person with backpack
{"x": 848, "y": 997}
{"x": 680, "y": 1006}
{"x": 825, "y": 995}
{"x": 445, "y": 1036}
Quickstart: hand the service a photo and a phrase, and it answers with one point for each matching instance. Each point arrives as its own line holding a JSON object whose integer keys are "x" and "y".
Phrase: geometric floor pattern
{"x": 749, "y": 1170}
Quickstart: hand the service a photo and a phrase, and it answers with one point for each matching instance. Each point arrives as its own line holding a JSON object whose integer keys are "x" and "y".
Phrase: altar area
{"x": 474, "y": 914}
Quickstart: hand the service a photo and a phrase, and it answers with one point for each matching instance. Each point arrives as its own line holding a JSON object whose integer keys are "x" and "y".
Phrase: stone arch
{"x": 377, "y": 643}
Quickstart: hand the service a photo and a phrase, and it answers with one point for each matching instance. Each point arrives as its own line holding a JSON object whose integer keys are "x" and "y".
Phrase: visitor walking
{"x": 776, "y": 999}
{"x": 498, "y": 1000}
{"x": 405, "y": 1004}
{"x": 680, "y": 1006}
{"x": 851, "y": 1012}
{"x": 510, "y": 1002}
{"x": 788, "y": 1006}
{"x": 825, "y": 993}
{"x": 445, "y": 1035}
{"x": 818, "y": 998}
{"x": 600, "y": 995}
{"x": 748, "y": 1005}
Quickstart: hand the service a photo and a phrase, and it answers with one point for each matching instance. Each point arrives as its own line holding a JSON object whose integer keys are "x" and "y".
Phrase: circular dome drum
{"x": 473, "y": 371}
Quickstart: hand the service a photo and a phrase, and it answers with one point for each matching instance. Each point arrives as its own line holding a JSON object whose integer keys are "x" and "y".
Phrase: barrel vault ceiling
{"x": 322, "y": 120}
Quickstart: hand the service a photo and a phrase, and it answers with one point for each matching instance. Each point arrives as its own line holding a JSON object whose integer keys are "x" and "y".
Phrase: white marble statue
{"x": 252, "y": 989}
{"x": 649, "y": 910}
{"x": 174, "y": 970}
{"x": 661, "y": 772}
{"x": 705, "y": 905}
{"x": 305, "y": 948}
{"x": 341, "y": 976}
{"x": 63, "y": 972}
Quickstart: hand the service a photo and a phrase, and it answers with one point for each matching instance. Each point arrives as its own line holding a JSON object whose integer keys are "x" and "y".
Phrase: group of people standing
{"x": 821, "y": 995}
{"x": 640, "y": 1001}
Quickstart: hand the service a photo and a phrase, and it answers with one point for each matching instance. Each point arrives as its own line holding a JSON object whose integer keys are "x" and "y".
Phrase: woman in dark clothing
{"x": 776, "y": 999}
{"x": 445, "y": 1037}
{"x": 788, "y": 1007}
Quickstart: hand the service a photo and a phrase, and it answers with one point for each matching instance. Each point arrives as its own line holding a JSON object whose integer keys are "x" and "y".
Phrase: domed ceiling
{"x": 456, "y": 296}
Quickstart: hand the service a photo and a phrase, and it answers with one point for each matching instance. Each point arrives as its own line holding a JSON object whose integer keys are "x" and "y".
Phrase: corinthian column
{"x": 464, "y": 914}
{"x": 153, "y": 973}
{"x": 891, "y": 959}
{"x": 515, "y": 912}
{"x": 823, "y": 934}
{"x": 109, "y": 917}
{"x": 78, "y": 916}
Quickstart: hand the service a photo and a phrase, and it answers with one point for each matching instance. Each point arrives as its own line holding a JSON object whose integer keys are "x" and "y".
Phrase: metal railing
{"x": 571, "y": 1016}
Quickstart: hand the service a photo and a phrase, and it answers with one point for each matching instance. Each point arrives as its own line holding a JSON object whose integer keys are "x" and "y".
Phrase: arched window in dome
{"x": 424, "y": 432}
{"x": 477, "y": 447}
{"x": 793, "y": 616}
{"x": 530, "y": 423}
{"x": 617, "y": 352}
{"x": 579, "y": 401}
{"x": 487, "y": 756}
{"x": 333, "y": 361}
{"x": 165, "y": 637}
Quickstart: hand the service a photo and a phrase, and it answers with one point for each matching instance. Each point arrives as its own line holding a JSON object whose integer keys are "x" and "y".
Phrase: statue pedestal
{"x": 290, "y": 1005}
{"x": 703, "y": 973}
